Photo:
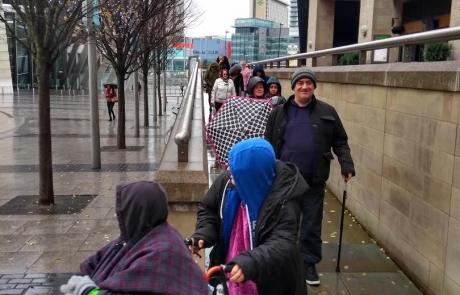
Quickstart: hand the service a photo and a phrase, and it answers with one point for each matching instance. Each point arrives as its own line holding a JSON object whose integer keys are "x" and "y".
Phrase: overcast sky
{"x": 217, "y": 16}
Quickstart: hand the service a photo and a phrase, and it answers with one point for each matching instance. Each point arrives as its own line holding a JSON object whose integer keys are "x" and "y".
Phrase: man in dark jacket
{"x": 303, "y": 131}
{"x": 149, "y": 257}
{"x": 267, "y": 193}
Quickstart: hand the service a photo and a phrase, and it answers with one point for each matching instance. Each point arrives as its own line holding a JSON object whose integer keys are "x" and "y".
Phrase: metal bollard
{"x": 73, "y": 92}
{"x": 83, "y": 92}
{"x": 61, "y": 92}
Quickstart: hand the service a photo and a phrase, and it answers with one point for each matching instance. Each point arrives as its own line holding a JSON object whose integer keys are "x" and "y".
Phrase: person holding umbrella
{"x": 302, "y": 131}
{"x": 250, "y": 216}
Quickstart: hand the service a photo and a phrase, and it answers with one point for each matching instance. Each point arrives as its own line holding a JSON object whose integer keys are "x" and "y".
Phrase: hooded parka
{"x": 274, "y": 264}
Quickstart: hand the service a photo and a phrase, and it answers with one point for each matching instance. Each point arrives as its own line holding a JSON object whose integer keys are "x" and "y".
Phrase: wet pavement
{"x": 39, "y": 252}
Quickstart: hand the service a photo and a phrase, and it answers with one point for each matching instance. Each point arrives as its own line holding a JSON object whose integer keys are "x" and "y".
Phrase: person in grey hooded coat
{"x": 256, "y": 87}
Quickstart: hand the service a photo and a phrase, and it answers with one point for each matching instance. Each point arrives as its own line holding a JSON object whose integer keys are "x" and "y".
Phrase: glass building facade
{"x": 21, "y": 63}
{"x": 258, "y": 39}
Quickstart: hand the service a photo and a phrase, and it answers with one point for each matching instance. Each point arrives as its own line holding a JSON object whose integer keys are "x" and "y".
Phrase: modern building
{"x": 210, "y": 47}
{"x": 293, "y": 19}
{"x": 274, "y": 10}
{"x": 257, "y": 39}
{"x": 331, "y": 23}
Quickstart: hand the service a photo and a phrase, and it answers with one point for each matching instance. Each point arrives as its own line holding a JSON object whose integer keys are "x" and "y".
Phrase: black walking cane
{"x": 337, "y": 269}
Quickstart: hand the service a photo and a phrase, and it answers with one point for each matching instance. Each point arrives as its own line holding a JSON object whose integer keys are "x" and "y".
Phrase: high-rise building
{"x": 274, "y": 10}
{"x": 293, "y": 19}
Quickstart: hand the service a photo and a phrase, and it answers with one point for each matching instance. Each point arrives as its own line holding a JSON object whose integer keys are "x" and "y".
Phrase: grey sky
{"x": 217, "y": 16}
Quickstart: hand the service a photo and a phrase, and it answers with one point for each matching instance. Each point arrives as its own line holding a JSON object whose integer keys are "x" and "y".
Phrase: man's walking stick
{"x": 337, "y": 269}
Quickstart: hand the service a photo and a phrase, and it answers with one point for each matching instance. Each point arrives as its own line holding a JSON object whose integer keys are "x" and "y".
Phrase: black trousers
{"x": 110, "y": 106}
{"x": 310, "y": 227}
{"x": 217, "y": 105}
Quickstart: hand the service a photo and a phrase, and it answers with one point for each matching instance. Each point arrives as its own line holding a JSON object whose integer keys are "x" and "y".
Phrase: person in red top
{"x": 110, "y": 94}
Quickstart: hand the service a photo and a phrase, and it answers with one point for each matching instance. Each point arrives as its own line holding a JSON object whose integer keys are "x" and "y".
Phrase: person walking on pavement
{"x": 237, "y": 77}
{"x": 250, "y": 216}
{"x": 302, "y": 131}
{"x": 181, "y": 89}
{"x": 223, "y": 87}
{"x": 256, "y": 87}
{"x": 212, "y": 74}
{"x": 110, "y": 95}
{"x": 246, "y": 72}
{"x": 149, "y": 257}
{"x": 274, "y": 92}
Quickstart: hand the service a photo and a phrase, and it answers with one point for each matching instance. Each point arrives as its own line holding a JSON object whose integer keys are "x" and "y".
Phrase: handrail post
{"x": 362, "y": 57}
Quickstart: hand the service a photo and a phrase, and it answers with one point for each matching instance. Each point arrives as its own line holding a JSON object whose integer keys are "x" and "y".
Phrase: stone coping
{"x": 444, "y": 76}
{"x": 186, "y": 182}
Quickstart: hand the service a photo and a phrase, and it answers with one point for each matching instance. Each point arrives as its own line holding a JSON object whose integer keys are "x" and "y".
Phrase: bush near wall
{"x": 437, "y": 51}
{"x": 351, "y": 58}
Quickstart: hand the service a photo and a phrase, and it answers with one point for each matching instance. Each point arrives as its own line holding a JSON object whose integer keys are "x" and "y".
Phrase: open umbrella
{"x": 239, "y": 118}
{"x": 114, "y": 86}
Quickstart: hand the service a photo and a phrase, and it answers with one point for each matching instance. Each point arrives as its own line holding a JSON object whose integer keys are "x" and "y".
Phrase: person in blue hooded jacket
{"x": 250, "y": 216}
{"x": 259, "y": 71}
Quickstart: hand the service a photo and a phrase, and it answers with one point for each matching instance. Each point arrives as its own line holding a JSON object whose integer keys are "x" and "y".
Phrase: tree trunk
{"x": 160, "y": 109}
{"x": 121, "y": 139}
{"x": 46, "y": 190}
{"x": 145, "y": 70}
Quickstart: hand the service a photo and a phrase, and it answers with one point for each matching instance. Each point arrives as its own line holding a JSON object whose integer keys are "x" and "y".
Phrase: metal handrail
{"x": 446, "y": 34}
{"x": 186, "y": 114}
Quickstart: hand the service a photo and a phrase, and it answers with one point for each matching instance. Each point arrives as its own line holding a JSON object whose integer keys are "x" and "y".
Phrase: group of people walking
{"x": 262, "y": 216}
{"x": 223, "y": 80}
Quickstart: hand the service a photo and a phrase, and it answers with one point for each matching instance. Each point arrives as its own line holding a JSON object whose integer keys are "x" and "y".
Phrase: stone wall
{"x": 402, "y": 122}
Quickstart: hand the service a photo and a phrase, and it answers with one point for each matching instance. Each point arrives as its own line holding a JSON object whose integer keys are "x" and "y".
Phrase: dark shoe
{"x": 312, "y": 275}
{"x": 114, "y": 117}
{"x": 110, "y": 119}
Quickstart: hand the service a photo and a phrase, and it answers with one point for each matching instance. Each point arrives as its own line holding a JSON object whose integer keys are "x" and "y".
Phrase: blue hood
{"x": 259, "y": 68}
{"x": 253, "y": 167}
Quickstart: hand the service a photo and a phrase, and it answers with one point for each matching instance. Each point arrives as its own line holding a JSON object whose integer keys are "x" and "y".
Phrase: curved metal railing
{"x": 405, "y": 41}
{"x": 184, "y": 127}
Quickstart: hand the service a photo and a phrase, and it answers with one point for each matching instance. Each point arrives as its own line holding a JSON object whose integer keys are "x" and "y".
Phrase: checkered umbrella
{"x": 239, "y": 118}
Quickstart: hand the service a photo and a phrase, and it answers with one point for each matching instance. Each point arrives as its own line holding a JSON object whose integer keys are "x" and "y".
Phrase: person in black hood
{"x": 147, "y": 251}
{"x": 274, "y": 92}
{"x": 256, "y": 87}
{"x": 251, "y": 216}
{"x": 260, "y": 72}
{"x": 223, "y": 62}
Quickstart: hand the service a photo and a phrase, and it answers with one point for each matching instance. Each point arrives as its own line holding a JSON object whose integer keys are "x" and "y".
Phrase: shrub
{"x": 437, "y": 51}
{"x": 351, "y": 58}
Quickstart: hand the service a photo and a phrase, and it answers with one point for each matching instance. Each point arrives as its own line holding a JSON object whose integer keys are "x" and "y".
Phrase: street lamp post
{"x": 225, "y": 42}
{"x": 279, "y": 40}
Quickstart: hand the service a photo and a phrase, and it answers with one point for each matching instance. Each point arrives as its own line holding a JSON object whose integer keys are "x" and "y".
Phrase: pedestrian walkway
{"x": 38, "y": 252}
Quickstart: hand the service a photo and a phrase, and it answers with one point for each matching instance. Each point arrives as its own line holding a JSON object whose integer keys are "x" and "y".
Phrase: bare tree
{"x": 51, "y": 28}
{"x": 119, "y": 39}
{"x": 158, "y": 38}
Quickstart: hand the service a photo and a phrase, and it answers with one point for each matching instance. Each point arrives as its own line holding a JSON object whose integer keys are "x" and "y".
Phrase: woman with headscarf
{"x": 223, "y": 87}
{"x": 256, "y": 87}
{"x": 149, "y": 257}
{"x": 274, "y": 92}
{"x": 250, "y": 216}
